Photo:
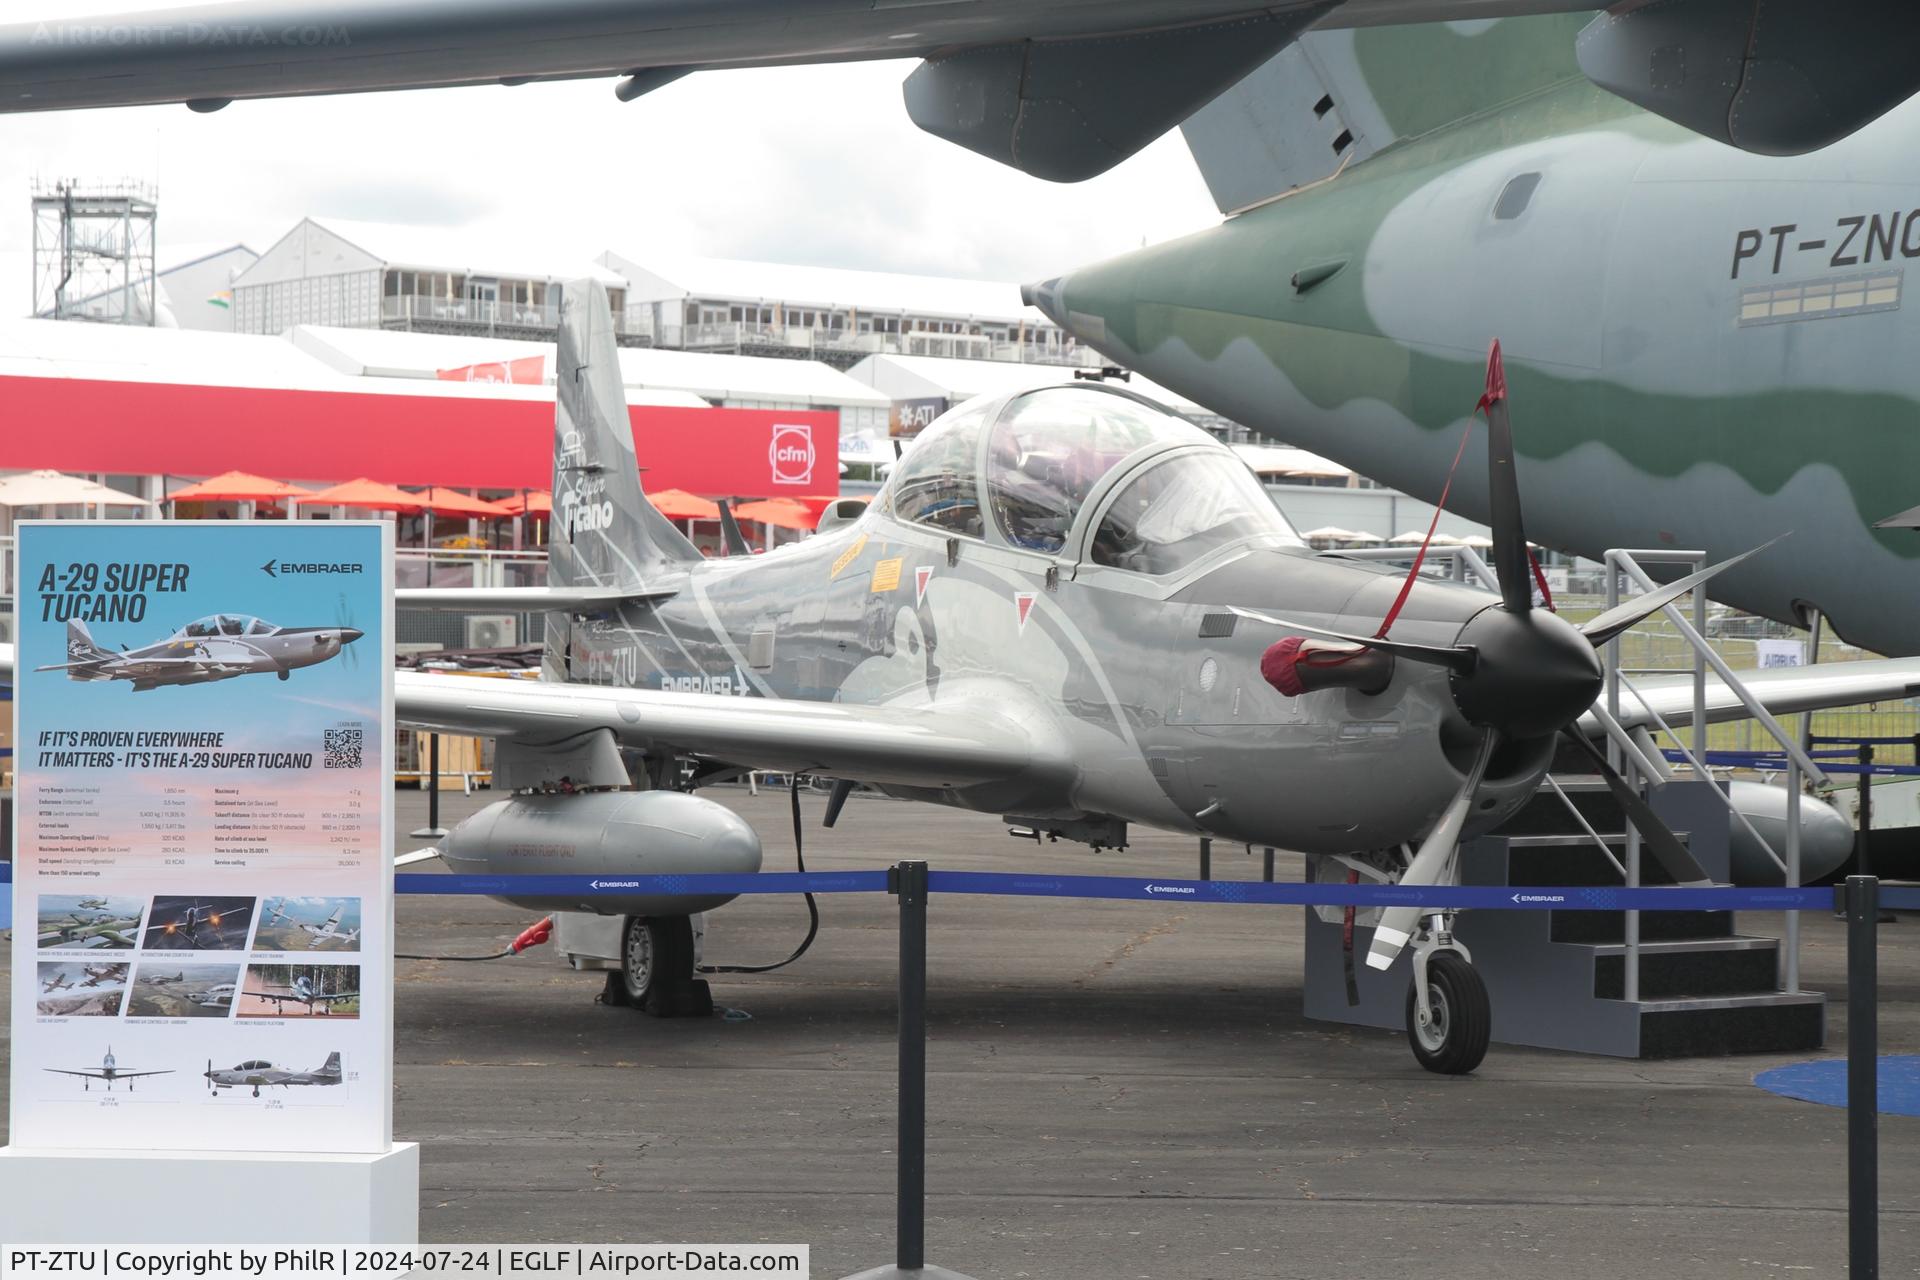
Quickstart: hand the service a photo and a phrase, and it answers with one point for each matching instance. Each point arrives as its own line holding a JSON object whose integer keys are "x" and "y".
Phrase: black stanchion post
{"x": 910, "y": 1211}
{"x": 433, "y": 779}
{"x": 908, "y": 882}
{"x": 1266, "y": 865}
{"x": 1863, "y": 1084}
{"x": 433, "y": 830}
{"x": 1206, "y": 858}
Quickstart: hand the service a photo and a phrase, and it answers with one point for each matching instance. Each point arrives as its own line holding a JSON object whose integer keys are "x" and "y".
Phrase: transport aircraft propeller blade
{"x": 1662, "y": 843}
{"x": 1430, "y": 863}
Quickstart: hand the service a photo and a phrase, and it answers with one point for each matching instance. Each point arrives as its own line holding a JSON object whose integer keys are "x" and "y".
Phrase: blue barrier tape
{"x": 594, "y": 886}
{"x": 1014, "y": 884}
{"x": 1878, "y": 742}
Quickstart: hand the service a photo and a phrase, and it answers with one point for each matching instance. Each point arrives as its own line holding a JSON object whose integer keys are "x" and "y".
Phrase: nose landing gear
{"x": 1449, "y": 1019}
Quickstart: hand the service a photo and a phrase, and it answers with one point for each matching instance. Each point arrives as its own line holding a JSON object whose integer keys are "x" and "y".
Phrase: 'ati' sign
{"x": 203, "y": 902}
{"x": 910, "y": 417}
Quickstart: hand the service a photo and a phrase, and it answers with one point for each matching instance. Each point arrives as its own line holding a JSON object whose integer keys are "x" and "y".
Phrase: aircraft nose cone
{"x": 349, "y": 634}
{"x": 1535, "y": 673}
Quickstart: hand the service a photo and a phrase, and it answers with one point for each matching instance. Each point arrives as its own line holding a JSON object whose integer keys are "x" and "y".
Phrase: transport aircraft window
{"x": 1178, "y": 511}
{"x": 935, "y": 484}
{"x": 1051, "y": 447}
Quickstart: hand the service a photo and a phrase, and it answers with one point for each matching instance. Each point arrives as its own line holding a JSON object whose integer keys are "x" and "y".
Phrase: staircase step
{"x": 1690, "y": 968}
{"x": 1573, "y": 859}
{"x": 1722, "y": 1025}
{"x": 1655, "y": 926}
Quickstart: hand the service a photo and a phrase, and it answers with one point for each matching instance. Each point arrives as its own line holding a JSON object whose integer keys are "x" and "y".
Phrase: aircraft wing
{"x": 1781, "y": 690}
{"x": 129, "y": 1075}
{"x": 575, "y": 600}
{"x": 949, "y": 745}
{"x": 91, "y": 1075}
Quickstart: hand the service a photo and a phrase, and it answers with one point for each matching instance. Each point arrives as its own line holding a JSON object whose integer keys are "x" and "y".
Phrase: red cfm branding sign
{"x": 401, "y": 438}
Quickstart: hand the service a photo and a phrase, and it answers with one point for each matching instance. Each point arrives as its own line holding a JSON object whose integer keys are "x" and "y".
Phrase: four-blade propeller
{"x": 1516, "y": 671}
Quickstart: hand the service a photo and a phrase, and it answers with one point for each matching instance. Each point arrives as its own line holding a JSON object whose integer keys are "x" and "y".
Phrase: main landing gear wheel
{"x": 1454, "y": 1041}
{"x": 656, "y": 970}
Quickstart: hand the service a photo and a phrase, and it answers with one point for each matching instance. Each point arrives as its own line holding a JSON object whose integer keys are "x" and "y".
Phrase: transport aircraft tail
{"x": 604, "y": 533}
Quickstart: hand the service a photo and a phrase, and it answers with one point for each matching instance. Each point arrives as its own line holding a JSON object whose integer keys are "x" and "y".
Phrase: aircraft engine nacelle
{"x": 1826, "y": 836}
{"x": 605, "y": 834}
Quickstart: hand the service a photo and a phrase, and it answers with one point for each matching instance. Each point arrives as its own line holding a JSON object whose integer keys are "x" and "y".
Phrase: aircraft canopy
{"x": 1020, "y": 469}
{"x": 231, "y": 625}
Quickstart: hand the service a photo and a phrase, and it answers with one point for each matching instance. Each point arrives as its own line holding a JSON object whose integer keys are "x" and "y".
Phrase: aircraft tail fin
{"x": 1333, "y": 98}
{"x": 605, "y": 533}
{"x": 80, "y": 645}
{"x": 331, "y": 1067}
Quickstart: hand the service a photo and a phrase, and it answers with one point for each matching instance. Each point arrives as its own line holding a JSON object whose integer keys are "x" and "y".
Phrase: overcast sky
{"x": 814, "y": 165}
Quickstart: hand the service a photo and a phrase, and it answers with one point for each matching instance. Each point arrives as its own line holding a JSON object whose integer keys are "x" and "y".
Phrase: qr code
{"x": 343, "y": 748}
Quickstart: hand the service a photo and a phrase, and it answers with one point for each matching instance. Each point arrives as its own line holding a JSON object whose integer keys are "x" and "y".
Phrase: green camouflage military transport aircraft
{"x": 1712, "y": 347}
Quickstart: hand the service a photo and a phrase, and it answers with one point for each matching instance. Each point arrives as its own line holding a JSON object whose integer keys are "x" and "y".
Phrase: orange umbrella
{"x": 678, "y": 504}
{"x": 535, "y": 502}
{"x": 784, "y": 513}
{"x": 238, "y": 486}
{"x": 451, "y": 502}
{"x": 374, "y": 495}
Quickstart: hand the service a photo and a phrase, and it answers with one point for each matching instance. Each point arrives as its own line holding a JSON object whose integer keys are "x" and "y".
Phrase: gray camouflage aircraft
{"x": 1067, "y": 607}
{"x": 1710, "y": 346}
{"x": 217, "y": 647}
{"x": 1062, "y": 89}
{"x": 259, "y": 1073}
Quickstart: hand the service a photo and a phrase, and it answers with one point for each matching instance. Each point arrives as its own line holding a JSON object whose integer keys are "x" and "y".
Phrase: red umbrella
{"x": 536, "y": 502}
{"x": 238, "y": 486}
{"x": 784, "y": 513}
{"x": 451, "y": 502}
{"x": 678, "y": 504}
{"x": 374, "y": 495}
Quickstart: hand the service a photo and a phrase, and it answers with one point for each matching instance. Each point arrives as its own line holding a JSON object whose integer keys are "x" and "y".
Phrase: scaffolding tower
{"x": 93, "y": 251}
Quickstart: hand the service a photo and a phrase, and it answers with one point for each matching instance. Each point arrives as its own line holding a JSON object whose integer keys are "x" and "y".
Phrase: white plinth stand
{"x": 53, "y": 1196}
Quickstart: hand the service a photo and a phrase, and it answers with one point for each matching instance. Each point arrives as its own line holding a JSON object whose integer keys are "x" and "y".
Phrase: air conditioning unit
{"x": 492, "y": 631}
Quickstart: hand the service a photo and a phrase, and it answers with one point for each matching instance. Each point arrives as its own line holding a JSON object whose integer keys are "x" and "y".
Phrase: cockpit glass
{"x": 202, "y": 627}
{"x": 1051, "y": 447}
{"x": 1182, "y": 508}
{"x": 260, "y": 627}
{"x": 935, "y": 483}
{"x": 230, "y": 625}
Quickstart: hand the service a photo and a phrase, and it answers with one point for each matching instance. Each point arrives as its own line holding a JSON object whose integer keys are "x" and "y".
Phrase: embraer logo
{"x": 1170, "y": 888}
{"x": 274, "y": 568}
{"x": 791, "y": 453}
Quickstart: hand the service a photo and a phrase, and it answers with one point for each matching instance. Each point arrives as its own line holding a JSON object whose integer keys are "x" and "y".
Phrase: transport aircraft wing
{"x": 1781, "y": 690}
{"x": 954, "y": 744}
{"x": 574, "y": 600}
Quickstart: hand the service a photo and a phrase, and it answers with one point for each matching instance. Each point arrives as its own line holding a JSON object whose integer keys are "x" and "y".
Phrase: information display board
{"x": 203, "y": 895}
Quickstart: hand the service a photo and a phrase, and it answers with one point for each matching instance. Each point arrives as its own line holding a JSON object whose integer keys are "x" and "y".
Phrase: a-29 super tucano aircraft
{"x": 1068, "y": 608}
{"x": 217, "y": 647}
